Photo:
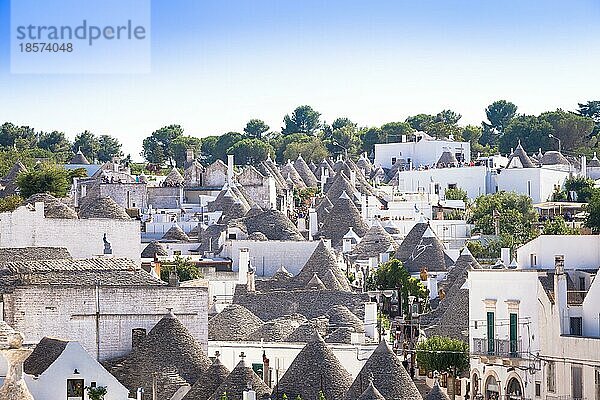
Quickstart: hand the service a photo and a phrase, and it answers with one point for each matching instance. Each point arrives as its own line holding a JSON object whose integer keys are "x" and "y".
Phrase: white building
{"x": 438, "y": 180}
{"x": 424, "y": 152}
{"x": 537, "y": 183}
{"x": 535, "y": 329}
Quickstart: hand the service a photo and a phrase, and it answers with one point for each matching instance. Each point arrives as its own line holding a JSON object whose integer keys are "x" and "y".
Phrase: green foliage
{"x": 10, "y": 203}
{"x": 311, "y": 149}
{"x": 96, "y": 393}
{"x": 530, "y": 130}
{"x": 302, "y": 120}
{"x": 573, "y": 130}
{"x": 321, "y": 395}
{"x": 443, "y": 354}
{"x": 76, "y": 173}
{"x": 224, "y": 143}
{"x": 558, "y": 226}
{"x": 392, "y": 131}
{"x": 420, "y": 122}
{"x": 224, "y": 396}
{"x": 108, "y": 147}
{"x": 370, "y": 137}
{"x": 207, "y": 148}
{"x": 48, "y": 178}
{"x": 591, "y": 109}
{"x": 593, "y": 209}
{"x": 516, "y": 216}
{"x": 158, "y": 147}
{"x": 456, "y": 194}
{"x": 88, "y": 143}
{"x": 186, "y": 270}
{"x": 384, "y": 321}
{"x": 584, "y": 187}
{"x": 344, "y": 140}
{"x": 250, "y": 151}
{"x": 284, "y": 397}
{"x": 17, "y": 137}
{"x": 181, "y": 145}
{"x": 255, "y": 128}
{"x": 393, "y": 275}
{"x": 499, "y": 115}
{"x": 55, "y": 142}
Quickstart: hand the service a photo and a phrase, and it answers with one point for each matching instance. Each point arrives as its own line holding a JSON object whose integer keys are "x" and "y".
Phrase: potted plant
{"x": 96, "y": 392}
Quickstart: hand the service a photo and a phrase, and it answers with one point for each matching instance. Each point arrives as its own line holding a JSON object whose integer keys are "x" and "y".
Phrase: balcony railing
{"x": 497, "y": 347}
{"x": 575, "y": 297}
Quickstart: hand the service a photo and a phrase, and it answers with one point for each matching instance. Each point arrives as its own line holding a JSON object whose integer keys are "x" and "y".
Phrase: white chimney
{"x": 505, "y": 256}
{"x": 373, "y": 262}
{"x": 244, "y": 266}
{"x": 353, "y": 177}
{"x": 384, "y": 257}
{"x": 249, "y": 395}
{"x": 560, "y": 293}
{"x": 230, "y": 168}
{"x": 363, "y": 206}
{"x": 346, "y": 245}
{"x": 583, "y": 166}
{"x": 371, "y": 319}
{"x": 327, "y": 243}
{"x": 301, "y": 222}
{"x": 312, "y": 223}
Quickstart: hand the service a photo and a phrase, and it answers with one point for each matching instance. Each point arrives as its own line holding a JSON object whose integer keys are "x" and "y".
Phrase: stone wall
{"x": 82, "y": 237}
{"x": 127, "y": 195}
{"x": 165, "y": 197}
{"x": 69, "y": 312}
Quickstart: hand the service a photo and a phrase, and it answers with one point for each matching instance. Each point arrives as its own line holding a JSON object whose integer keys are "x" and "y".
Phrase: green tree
{"x": 54, "y": 141}
{"x": 558, "y": 226}
{"x": 181, "y": 144}
{"x": 108, "y": 147}
{"x": 250, "y": 151}
{"x": 302, "y": 120}
{"x": 96, "y": 392}
{"x": 208, "y": 147}
{"x": 370, "y": 137}
{"x": 591, "y": 109}
{"x": 10, "y": 203}
{"x": 499, "y": 115}
{"x": 593, "y": 209}
{"x": 392, "y": 131}
{"x": 88, "y": 143}
{"x": 185, "y": 268}
{"x": 344, "y": 140}
{"x": 583, "y": 187}
{"x": 311, "y": 149}
{"x": 48, "y": 178}
{"x": 443, "y": 354}
{"x": 18, "y": 137}
{"x": 225, "y": 142}
{"x": 393, "y": 275}
{"x": 573, "y": 130}
{"x": 158, "y": 147}
{"x": 420, "y": 122}
{"x": 255, "y": 128}
{"x": 456, "y": 194}
{"x": 516, "y": 216}
{"x": 530, "y": 130}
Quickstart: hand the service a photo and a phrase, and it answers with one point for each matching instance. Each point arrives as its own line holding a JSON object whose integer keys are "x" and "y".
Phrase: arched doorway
{"x": 475, "y": 386}
{"x": 492, "y": 388}
{"x": 514, "y": 391}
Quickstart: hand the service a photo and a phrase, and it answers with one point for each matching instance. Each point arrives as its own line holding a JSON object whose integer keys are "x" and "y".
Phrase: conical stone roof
{"x": 315, "y": 283}
{"x": 235, "y": 322}
{"x": 338, "y": 185}
{"x": 371, "y": 393}
{"x": 341, "y": 317}
{"x": 315, "y": 369}
{"x": 305, "y": 172}
{"x": 238, "y": 381}
{"x": 428, "y": 253}
{"x": 176, "y": 234}
{"x": 153, "y": 249}
{"x": 388, "y": 374}
{"x": 365, "y": 165}
{"x": 436, "y": 393}
{"x": 446, "y": 159}
{"x": 103, "y": 207}
{"x": 168, "y": 350}
{"x": 343, "y": 216}
{"x": 79, "y": 158}
{"x": 321, "y": 262}
{"x": 594, "y": 162}
{"x": 466, "y": 260}
{"x": 274, "y": 224}
{"x": 305, "y": 332}
{"x": 53, "y": 207}
{"x": 375, "y": 242}
{"x": 174, "y": 179}
{"x": 411, "y": 240}
{"x": 519, "y": 159}
{"x": 278, "y": 329}
{"x": 288, "y": 171}
{"x": 208, "y": 382}
{"x": 554, "y": 158}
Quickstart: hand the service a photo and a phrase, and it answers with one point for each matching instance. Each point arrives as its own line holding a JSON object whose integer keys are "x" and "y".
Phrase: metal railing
{"x": 575, "y": 297}
{"x": 497, "y": 347}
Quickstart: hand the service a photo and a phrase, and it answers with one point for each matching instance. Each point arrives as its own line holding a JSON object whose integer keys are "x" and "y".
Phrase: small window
{"x": 393, "y": 160}
{"x": 550, "y": 377}
{"x": 538, "y": 389}
{"x": 533, "y": 258}
{"x": 75, "y": 389}
{"x": 452, "y": 186}
{"x": 575, "y": 326}
{"x": 529, "y": 188}
{"x": 232, "y": 236}
{"x": 582, "y": 283}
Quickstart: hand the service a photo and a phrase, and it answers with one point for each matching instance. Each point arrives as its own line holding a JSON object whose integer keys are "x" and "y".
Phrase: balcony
{"x": 498, "y": 347}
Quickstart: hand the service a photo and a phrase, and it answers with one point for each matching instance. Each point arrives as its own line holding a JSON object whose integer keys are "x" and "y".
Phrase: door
{"x": 513, "y": 335}
{"x": 576, "y": 382}
{"x": 490, "y": 332}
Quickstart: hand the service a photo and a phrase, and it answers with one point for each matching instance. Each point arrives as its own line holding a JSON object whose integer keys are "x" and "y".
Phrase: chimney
{"x": 384, "y": 257}
{"x": 173, "y": 278}
{"x": 370, "y": 321}
{"x": 230, "y": 168}
{"x": 189, "y": 155}
{"x": 312, "y": 223}
{"x": 244, "y": 265}
{"x": 505, "y": 256}
{"x": 266, "y": 370}
{"x": 346, "y": 245}
{"x": 560, "y": 293}
{"x": 373, "y": 262}
{"x": 583, "y": 166}
{"x": 363, "y": 206}
{"x": 353, "y": 177}
{"x": 327, "y": 243}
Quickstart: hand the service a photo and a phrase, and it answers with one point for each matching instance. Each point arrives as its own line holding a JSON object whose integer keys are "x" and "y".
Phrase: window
{"x": 490, "y": 332}
{"x": 393, "y": 160}
{"x": 550, "y": 376}
{"x": 538, "y": 389}
{"x": 533, "y": 259}
{"x": 75, "y": 389}
{"x": 582, "y": 283}
{"x": 232, "y": 236}
{"x": 514, "y": 348}
{"x": 575, "y": 326}
{"x": 576, "y": 381}
{"x": 452, "y": 186}
{"x": 529, "y": 188}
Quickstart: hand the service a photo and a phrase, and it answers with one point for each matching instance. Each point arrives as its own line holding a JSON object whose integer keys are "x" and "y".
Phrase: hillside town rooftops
{"x": 208, "y": 382}
{"x": 174, "y": 179}
{"x": 305, "y": 172}
{"x": 28, "y": 254}
{"x": 235, "y": 322}
{"x": 239, "y": 380}
{"x": 519, "y": 159}
{"x": 53, "y": 207}
{"x": 554, "y": 157}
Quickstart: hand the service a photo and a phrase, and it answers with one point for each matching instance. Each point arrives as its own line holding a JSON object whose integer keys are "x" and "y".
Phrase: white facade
{"x": 52, "y": 383}
{"x": 537, "y": 183}
{"x": 553, "y": 349}
{"x": 422, "y": 153}
{"x": 82, "y": 237}
{"x": 437, "y": 180}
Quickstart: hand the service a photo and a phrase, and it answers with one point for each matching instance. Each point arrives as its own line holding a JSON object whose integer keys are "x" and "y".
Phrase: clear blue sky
{"x": 216, "y": 64}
